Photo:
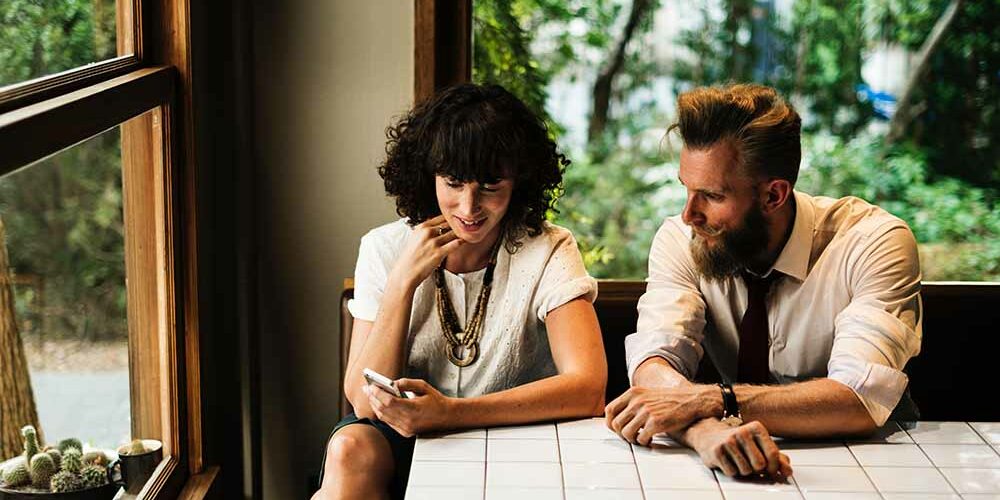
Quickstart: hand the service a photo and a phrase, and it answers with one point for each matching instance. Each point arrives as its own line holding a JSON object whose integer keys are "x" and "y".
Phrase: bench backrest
{"x": 954, "y": 377}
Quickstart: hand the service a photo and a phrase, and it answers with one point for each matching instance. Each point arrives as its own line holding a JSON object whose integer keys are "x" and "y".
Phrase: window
{"x": 114, "y": 125}
{"x": 606, "y": 74}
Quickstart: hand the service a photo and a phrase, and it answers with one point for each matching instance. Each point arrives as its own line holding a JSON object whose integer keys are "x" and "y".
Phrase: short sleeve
{"x": 564, "y": 278}
{"x": 880, "y": 330}
{"x": 370, "y": 276}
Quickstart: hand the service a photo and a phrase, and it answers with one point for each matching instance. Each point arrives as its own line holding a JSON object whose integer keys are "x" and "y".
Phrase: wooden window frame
{"x": 442, "y": 45}
{"x": 147, "y": 93}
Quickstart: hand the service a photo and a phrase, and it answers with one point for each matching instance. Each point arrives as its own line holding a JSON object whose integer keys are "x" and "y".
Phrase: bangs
{"x": 475, "y": 145}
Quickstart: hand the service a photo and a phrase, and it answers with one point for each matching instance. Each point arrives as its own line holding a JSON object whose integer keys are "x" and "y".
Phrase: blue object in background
{"x": 883, "y": 103}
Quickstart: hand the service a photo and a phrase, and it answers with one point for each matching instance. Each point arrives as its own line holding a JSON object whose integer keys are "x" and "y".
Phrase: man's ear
{"x": 776, "y": 193}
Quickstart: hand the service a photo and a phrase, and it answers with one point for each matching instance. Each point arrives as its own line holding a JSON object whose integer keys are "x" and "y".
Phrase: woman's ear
{"x": 776, "y": 195}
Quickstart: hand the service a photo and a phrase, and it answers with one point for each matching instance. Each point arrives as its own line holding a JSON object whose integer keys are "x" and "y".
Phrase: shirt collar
{"x": 794, "y": 258}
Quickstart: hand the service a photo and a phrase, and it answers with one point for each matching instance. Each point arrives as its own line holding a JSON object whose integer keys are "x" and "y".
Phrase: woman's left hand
{"x": 428, "y": 411}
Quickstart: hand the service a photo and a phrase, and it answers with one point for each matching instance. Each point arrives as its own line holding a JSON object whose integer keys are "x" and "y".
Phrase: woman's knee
{"x": 359, "y": 448}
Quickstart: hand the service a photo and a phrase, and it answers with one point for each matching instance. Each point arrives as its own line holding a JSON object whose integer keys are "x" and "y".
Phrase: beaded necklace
{"x": 463, "y": 346}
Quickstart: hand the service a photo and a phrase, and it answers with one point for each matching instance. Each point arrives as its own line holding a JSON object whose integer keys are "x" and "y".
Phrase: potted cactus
{"x": 59, "y": 472}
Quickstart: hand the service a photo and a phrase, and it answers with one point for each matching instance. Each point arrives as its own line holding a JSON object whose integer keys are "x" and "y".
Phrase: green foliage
{"x": 943, "y": 181}
{"x": 937, "y": 210}
{"x": 41, "y": 37}
{"x": 64, "y": 214}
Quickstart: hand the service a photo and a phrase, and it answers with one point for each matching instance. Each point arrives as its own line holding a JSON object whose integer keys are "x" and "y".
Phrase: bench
{"x": 954, "y": 378}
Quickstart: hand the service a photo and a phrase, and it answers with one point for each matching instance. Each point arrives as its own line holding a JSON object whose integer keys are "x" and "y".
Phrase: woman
{"x": 480, "y": 304}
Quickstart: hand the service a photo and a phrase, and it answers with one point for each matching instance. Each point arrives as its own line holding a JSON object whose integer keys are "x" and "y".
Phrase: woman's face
{"x": 473, "y": 210}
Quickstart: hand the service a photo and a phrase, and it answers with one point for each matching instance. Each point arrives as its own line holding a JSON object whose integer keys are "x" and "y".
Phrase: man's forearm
{"x": 817, "y": 408}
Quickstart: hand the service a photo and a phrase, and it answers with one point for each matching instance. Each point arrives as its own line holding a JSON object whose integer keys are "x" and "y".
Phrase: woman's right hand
{"x": 429, "y": 243}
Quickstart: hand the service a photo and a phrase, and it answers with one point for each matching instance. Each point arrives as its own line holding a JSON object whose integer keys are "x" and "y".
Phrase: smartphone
{"x": 385, "y": 383}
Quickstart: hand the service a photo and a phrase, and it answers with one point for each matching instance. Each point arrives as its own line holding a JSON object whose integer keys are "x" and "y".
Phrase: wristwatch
{"x": 730, "y": 408}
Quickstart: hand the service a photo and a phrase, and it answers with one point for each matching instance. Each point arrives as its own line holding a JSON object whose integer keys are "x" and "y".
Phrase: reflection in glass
{"x": 65, "y": 241}
{"x": 39, "y": 38}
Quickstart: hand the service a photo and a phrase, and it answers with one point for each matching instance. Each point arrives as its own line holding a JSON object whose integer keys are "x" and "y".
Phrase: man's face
{"x": 723, "y": 209}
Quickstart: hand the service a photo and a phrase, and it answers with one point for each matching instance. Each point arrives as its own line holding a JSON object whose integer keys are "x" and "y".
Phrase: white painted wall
{"x": 328, "y": 78}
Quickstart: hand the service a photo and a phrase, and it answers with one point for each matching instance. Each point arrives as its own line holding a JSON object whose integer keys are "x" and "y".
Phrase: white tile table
{"x": 582, "y": 459}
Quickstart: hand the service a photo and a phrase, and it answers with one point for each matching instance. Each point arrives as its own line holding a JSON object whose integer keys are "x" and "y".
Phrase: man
{"x": 809, "y": 307}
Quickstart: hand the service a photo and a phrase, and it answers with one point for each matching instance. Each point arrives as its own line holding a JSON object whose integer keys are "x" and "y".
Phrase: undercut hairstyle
{"x": 479, "y": 133}
{"x": 763, "y": 129}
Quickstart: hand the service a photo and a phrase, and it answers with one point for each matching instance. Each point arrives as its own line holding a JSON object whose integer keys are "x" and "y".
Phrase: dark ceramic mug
{"x": 132, "y": 471}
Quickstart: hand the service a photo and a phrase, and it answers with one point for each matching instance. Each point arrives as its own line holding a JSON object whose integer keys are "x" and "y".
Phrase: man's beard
{"x": 735, "y": 252}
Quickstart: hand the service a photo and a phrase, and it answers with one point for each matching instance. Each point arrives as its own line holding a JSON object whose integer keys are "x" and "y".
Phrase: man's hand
{"x": 643, "y": 412}
{"x": 409, "y": 417}
{"x": 738, "y": 451}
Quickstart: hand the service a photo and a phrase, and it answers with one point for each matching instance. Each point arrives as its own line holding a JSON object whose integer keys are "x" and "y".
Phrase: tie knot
{"x": 757, "y": 285}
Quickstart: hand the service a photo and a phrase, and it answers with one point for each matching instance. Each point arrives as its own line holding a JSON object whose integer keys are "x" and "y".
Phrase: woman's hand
{"x": 428, "y": 411}
{"x": 428, "y": 245}
{"x": 738, "y": 451}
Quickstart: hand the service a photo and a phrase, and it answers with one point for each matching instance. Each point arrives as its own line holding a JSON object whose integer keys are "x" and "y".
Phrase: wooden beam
{"x": 442, "y": 45}
{"x": 33, "y": 132}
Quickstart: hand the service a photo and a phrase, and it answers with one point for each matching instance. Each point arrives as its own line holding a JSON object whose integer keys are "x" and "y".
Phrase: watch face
{"x": 732, "y": 421}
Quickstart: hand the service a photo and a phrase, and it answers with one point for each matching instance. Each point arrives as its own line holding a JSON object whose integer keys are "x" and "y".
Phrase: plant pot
{"x": 103, "y": 492}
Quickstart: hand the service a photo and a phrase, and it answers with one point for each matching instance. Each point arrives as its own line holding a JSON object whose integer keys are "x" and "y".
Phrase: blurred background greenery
{"x": 63, "y": 215}
{"x": 899, "y": 101}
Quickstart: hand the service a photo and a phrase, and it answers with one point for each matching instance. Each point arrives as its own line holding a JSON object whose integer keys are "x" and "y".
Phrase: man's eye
{"x": 713, "y": 196}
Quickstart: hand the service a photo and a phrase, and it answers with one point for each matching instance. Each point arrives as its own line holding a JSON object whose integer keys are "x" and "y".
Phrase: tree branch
{"x": 906, "y": 112}
{"x": 611, "y": 69}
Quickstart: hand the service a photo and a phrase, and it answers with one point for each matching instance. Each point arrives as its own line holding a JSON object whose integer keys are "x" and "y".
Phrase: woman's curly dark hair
{"x": 476, "y": 133}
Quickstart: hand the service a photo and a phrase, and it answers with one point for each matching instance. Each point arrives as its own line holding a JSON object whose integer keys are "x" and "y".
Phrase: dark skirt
{"x": 402, "y": 451}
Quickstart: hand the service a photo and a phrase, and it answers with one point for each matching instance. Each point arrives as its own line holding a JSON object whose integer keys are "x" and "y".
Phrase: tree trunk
{"x": 17, "y": 402}
{"x": 611, "y": 69}
{"x": 906, "y": 109}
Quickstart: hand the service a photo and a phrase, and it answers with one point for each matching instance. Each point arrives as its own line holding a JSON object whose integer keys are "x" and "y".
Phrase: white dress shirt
{"x": 545, "y": 273}
{"x": 848, "y": 307}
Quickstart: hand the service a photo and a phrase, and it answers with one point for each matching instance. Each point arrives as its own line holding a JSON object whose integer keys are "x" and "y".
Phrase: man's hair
{"x": 479, "y": 133}
{"x": 763, "y": 129}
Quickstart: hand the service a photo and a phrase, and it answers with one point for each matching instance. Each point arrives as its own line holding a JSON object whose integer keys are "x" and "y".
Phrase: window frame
{"x": 149, "y": 94}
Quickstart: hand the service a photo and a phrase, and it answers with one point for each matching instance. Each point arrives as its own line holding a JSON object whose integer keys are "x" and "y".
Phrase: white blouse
{"x": 546, "y": 272}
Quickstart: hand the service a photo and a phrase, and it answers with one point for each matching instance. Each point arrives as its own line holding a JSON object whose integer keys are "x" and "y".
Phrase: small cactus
{"x": 70, "y": 443}
{"x": 30, "y": 441}
{"x": 134, "y": 448}
{"x": 95, "y": 458}
{"x": 72, "y": 460}
{"x": 93, "y": 476}
{"x": 41, "y": 469}
{"x": 55, "y": 454}
{"x": 17, "y": 474}
{"x": 64, "y": 481}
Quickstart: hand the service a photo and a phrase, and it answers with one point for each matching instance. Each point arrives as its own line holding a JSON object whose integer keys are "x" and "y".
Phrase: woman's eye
{"x": 489, "y": 189}
{"x": 454, "y": 185}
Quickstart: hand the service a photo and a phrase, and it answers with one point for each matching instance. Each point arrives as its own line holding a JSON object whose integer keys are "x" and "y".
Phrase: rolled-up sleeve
{"x": 880, "y": 330}
{"x": 565, "y": 277}
{"x": 370, "y": 276}
{"x": 672, "y": 311}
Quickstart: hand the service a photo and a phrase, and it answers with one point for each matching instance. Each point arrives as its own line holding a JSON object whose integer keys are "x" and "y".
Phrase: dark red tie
{"x": 753, "y": 366}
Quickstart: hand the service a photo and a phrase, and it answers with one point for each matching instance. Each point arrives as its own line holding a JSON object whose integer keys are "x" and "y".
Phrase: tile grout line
{"x": 878, "y": 490}
{"x": 562, "y": 478}
{"x": 931, "y": 460}
{"x": 635, "y": 463}
{"x": 486, "y": 458}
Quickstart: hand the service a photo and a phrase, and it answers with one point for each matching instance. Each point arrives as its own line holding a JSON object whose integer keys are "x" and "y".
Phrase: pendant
{"x": 471, "y": 352}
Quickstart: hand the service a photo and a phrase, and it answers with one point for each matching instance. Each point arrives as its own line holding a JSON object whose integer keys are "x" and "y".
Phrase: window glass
{"x": 65, "y": 244}
{"x": 606, "y": 75}
{"x": 43, "y": 37}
